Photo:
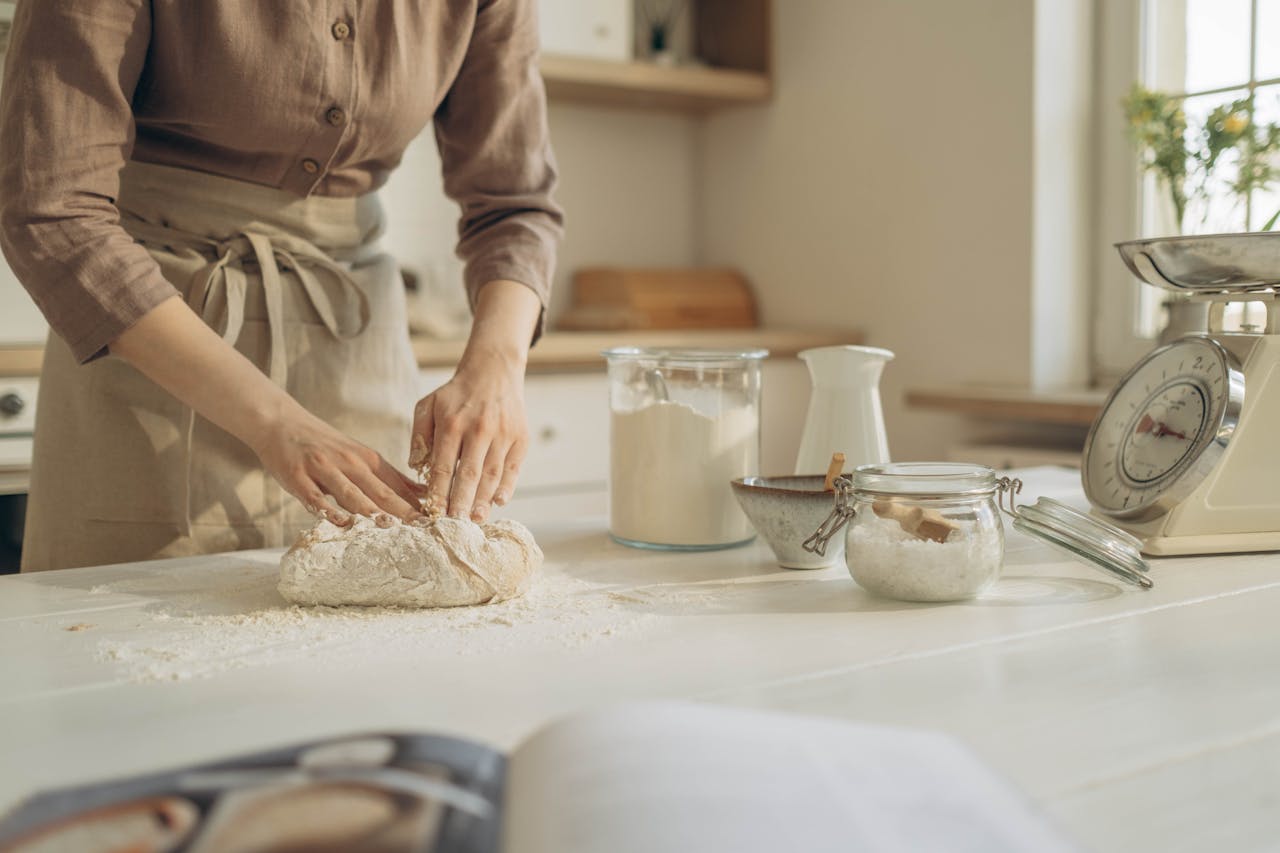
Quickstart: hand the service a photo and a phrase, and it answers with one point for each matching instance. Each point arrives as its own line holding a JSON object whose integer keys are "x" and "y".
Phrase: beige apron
{"x": 122, "y": 471}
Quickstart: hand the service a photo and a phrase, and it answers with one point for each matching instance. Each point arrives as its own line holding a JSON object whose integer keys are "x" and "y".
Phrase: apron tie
{"x": 224, "y": 275}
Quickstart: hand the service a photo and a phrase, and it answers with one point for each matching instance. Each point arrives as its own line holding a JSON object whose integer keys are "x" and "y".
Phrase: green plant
{"x": 1187, "y": 160}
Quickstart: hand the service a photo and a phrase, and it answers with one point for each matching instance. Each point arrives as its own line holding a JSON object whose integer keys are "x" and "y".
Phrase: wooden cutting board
{"x": 607, "y": 298}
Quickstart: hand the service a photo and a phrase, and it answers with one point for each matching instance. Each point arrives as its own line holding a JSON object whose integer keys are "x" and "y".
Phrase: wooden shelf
{"x": 1067, "y": 408}
{"x": 561, "y": 350}
{"x": 581, "y": 350}
{"x": 21, "y": 360}
{"x": 642, "y": 84}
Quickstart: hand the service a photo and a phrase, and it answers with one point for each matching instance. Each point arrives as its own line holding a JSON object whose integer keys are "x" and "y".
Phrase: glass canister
{"x": 925, "y": 531}
{"x": 931, "y": 531}
{"x": 683, "y": 424}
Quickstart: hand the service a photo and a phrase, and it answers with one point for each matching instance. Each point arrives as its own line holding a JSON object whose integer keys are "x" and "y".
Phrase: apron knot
{"x": 219, "y": 291}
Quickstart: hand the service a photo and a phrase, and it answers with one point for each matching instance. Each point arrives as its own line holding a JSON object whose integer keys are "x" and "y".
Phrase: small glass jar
{"x": 931, "y": 531}
{"x": 683, "y": 424}
{"x": 924, "y": 531}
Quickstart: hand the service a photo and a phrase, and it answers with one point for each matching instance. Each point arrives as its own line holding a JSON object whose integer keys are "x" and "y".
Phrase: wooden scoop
{"x": 833, "y": 471}
{"x": 919, "y": 522}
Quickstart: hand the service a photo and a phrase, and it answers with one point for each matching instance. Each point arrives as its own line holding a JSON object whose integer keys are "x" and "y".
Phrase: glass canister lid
{"x": 688, "y": 355}
{"x": 924, "y": 480}
{"x": 1077, "y": 534}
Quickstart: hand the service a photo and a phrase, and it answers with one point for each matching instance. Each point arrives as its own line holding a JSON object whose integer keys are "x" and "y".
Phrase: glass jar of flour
{"x": 683, "y": 423}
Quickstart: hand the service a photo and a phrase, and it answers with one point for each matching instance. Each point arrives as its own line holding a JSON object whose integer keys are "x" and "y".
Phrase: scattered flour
{"x": 201, "y": 634}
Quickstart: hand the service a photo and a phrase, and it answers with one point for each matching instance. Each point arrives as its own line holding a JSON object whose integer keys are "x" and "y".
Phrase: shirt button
{"x": 335, "y": 117}
{"x": 341, "y": 30}
{"x": 311, "y": 167}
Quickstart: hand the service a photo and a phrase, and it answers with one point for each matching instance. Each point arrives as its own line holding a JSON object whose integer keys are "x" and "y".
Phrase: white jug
{"x": 844, "y": 408}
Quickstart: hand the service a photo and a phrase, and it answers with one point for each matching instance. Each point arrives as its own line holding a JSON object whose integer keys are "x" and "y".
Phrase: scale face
{"x": 1181, "y": 455}
{"x": 1163, "y": 428}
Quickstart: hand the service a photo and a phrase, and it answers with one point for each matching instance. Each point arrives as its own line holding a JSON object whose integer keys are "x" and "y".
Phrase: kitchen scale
{"x": 1185, "y": 454}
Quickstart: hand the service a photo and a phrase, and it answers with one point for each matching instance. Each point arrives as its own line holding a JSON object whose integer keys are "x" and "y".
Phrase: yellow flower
{"x": 1235, "y": 123}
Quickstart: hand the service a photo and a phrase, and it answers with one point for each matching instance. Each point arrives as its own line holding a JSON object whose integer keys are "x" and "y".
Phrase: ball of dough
{"x": 444, "y": 562}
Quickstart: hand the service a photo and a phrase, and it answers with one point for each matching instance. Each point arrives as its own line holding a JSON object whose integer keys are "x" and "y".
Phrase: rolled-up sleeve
{"x": 496, "y": 154}
{"x": 66, "y": 130}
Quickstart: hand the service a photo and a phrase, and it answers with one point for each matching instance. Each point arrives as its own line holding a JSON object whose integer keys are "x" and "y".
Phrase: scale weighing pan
{"x": 1209, "y": 263}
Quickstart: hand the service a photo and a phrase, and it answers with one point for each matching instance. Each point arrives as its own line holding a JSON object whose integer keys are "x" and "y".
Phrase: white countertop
{"x": 1138, "y": 720}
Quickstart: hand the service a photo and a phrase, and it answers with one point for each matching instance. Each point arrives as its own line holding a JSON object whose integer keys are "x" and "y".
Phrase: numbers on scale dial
{"x": 1155, "y": 425}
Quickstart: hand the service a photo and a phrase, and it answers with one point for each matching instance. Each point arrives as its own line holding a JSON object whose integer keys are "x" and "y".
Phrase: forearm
{"x": 175, "y": 349}
{"x": 506, "y": 313}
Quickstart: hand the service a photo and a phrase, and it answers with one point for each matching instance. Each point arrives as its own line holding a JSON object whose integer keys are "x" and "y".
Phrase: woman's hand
{"x": 314, "y": 461}
{"x": 471, "y": 433}
{"x": 475, "y": 428}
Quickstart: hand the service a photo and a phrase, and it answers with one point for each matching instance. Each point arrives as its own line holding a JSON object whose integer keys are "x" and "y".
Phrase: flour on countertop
{"x": 559, "y": 611}
{"x": 198, "y": 623}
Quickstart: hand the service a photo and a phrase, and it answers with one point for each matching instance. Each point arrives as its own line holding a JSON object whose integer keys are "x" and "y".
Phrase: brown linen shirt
{"x": 308, "y": 96}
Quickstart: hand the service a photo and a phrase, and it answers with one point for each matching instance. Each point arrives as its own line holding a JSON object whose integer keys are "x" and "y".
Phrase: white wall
{"x": 888, "y": 186}
{"x": 627, "y": 184}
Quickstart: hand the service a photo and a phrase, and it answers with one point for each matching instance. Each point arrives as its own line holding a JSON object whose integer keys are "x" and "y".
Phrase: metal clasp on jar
{"x": 1010, "y": 488}
{"x": 839, "y": 517}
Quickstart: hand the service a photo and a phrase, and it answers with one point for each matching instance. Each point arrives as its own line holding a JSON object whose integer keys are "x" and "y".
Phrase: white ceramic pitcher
{"x": 844, "y": 408}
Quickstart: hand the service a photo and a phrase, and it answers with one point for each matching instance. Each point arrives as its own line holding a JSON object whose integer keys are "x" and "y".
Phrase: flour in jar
{"x": 670, "y": 471}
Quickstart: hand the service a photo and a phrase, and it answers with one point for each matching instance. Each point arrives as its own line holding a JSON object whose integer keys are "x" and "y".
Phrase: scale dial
{"x": 1163, "y": 429}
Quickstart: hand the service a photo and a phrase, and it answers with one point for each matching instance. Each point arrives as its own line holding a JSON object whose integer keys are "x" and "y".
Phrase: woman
{"x": 186, "y": 191}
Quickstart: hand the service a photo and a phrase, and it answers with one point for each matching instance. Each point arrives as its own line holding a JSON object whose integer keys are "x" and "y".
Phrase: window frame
{"x": 1119, "y": 193}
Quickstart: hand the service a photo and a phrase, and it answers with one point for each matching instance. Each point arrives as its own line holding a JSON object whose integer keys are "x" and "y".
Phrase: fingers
{"x": 444, "y": 461}
{"x": 314, "y": 499}
{"x": 510, "y": 472}
{"x": 407, "y": 490}
{"x": 346, "y": 493}
{"x": 466, "y": 477}
{"x": 423, "y": 432}
{"x": 385, "y": 497}
{"x": 490, "y": 476}
{"x": 358, "y": 492}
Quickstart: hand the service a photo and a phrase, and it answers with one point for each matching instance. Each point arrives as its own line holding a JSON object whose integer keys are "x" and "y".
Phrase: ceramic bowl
{"x": 786, "y": 511}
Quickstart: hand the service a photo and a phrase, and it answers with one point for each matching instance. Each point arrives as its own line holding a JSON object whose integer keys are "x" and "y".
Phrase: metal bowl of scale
{"x": 785, "y": 511}
{"x": 1211, "y": 263}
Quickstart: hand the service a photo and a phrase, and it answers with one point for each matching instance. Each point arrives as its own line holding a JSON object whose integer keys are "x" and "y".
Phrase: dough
{"x": 443, "y": 562}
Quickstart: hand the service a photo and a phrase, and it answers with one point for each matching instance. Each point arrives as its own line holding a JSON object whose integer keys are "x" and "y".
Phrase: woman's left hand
{"x": 471, "y": 433}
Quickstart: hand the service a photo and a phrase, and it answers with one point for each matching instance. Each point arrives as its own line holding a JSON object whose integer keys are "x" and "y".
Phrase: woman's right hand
{"x": 316, "y": 463}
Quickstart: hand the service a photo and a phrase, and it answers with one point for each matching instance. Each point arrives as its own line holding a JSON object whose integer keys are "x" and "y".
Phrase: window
{"x": 1208, "y": 53}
